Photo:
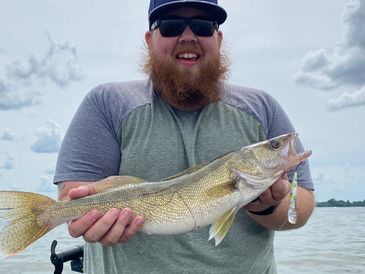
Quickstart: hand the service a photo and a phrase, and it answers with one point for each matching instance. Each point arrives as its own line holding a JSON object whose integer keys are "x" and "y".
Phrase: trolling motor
{"x": 74, "y": 254}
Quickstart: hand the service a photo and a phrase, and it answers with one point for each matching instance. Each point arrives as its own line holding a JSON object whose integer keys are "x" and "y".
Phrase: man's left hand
{"x": 272, "y": 196}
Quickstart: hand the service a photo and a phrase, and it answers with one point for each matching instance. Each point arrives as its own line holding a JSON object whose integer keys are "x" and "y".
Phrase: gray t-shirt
{"x": 127, "y": 129}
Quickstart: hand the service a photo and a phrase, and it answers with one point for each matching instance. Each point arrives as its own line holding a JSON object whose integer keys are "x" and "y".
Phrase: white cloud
{"x": 348, "y": 99}
{"x": 51, "y": 170}
{"x": 7, "y": 135}
{"x": 46, "y": 185}
{"x": 319, "y": 177}
{"x": 348, "y": 173}
{"x": 8, "y": 163}
{"x": 58, "y": 65}
{"x": 343, "y": 66}
{"x": 49, "y": 138}
{"x": 12, "y": 96}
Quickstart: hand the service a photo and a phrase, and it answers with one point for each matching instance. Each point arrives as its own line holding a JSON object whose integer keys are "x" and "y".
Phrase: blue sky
{"x": 310, "y": 55}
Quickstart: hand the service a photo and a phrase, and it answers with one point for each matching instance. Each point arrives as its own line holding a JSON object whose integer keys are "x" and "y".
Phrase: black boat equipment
{"x": 74, "y": 254}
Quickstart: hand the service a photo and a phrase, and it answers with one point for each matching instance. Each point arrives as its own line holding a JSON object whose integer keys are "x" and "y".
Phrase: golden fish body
{"x": 197, "y": 197}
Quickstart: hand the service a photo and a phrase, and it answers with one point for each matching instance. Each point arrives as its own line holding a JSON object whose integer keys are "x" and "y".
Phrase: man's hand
{"x": 272, "y": 196}
{"x": 115, "y": 226}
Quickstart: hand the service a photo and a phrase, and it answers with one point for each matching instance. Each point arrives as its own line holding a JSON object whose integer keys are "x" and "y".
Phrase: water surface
{"x": 333, "y": 241}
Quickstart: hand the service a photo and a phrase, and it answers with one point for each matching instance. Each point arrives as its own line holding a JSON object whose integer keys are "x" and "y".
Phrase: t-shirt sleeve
{"x": 90, "y": 150}
{"x": 278, "y": 123}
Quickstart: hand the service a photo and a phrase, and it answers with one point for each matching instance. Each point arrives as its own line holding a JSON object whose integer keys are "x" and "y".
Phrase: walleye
{"x": 204, "y": 195}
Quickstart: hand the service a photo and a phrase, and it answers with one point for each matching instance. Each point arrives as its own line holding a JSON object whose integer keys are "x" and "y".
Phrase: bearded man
{"x": 184, "y": 115}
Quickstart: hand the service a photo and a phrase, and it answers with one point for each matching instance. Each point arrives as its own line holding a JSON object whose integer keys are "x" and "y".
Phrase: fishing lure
{"x": 292, "y": 212}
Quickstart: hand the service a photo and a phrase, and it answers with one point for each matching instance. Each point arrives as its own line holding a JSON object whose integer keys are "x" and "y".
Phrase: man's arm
{"x": 115, "y": 226}
{"x": 278, "y": 194}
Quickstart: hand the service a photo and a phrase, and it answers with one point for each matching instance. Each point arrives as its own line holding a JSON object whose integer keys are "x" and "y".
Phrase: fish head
{"x": 257, "y": 166}
{"x": 274, "y": 155}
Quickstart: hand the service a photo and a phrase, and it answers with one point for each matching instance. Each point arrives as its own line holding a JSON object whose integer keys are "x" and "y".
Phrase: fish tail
{"x": 23, "y": 212}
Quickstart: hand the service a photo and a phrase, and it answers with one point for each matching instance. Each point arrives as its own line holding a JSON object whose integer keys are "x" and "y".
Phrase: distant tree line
{"x": 340, "y": 203}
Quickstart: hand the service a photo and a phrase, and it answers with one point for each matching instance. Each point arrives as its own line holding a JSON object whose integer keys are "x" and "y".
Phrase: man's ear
{"x": 219, "y": 38}
{"x": 148, "y": 37}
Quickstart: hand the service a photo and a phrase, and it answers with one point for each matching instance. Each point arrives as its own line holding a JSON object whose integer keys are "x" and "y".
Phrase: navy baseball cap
{"x": 159, "y": 7}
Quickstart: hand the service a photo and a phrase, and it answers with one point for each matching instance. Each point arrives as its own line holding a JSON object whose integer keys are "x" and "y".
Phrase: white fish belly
{"x": 169, "y": 228}
{"x": 199, "y": 217}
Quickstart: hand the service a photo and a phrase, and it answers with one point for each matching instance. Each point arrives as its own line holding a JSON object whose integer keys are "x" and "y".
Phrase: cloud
{"x": 51, "y": 170}
{"x": 344, "y": 65}
{"x": 12, "y": 96}
{"x": 8, "y": 163}
{"x": 348, "y": 99}
{"x": 46, "y": 186}
{"x": 58, "y": 65}
{"x": 49, "y": 138}
{"x": 7, "y": 135}
{"x": 319, "y": 177}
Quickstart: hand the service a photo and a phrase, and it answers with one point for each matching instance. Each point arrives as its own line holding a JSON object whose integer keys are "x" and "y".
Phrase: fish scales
{"x": 208, "y": 194}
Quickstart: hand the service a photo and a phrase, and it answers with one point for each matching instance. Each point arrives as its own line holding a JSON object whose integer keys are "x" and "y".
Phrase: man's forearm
{"x": 279, "y": 219}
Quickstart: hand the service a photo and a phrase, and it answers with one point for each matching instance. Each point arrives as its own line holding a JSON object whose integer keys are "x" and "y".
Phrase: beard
{"x": 187, "y": 88}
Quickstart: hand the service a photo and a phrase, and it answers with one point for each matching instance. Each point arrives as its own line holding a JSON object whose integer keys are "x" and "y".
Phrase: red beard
{"x": 184, "y": 88}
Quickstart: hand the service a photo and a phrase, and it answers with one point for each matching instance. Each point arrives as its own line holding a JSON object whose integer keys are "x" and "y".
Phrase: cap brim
{"x": 218, "y": 13}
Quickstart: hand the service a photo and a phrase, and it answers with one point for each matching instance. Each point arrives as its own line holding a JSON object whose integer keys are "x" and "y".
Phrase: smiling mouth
{"x": 190, "y": 57}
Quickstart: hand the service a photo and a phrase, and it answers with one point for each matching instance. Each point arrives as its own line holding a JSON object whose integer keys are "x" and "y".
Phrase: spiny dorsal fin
{"x": 219, "y": 229}
{"x": 113, "y": 182}
{"x": 198, "y": 167}
{"x": 185, "y": 172}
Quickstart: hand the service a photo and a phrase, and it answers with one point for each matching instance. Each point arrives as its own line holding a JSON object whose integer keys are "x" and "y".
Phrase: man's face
{"x": 186, "y": 70}
{"x": 187, "y": 51}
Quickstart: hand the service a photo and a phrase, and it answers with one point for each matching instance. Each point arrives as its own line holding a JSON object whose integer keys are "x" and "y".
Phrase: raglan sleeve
{"x": 90, "y": 149}
{"x": 278, "y": 123}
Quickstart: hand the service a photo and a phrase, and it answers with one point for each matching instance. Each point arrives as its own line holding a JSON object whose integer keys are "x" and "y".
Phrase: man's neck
{"x": 189, "y": 107}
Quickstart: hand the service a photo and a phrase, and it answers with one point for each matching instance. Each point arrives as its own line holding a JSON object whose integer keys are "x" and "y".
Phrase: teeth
{"x": 188, "y": 55}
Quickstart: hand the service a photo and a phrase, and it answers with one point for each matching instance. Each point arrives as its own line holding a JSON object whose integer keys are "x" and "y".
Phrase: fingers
{"x": 272, "y": 196}
{"x": 101, "y": 227}
{"x": 114, "y": 227}
{"x": 280, "y": 189}
{"x": 78, "y": 227}
{"x": 132, "y": 229}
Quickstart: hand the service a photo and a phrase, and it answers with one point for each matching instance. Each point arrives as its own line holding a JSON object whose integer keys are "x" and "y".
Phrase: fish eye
{"x": 275, "y": 144}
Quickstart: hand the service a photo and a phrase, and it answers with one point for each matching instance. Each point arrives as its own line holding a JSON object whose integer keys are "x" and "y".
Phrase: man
{"x": 182, "y": 116}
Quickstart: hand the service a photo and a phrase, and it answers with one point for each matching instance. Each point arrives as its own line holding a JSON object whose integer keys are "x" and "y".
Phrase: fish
{"x": 207, "y": 194}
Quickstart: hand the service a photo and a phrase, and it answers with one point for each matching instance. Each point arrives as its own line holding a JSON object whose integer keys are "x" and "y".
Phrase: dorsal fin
{"x": 198, "y": 167}
{"x": 113, "y": 182}
{"x": 185, "y": 172}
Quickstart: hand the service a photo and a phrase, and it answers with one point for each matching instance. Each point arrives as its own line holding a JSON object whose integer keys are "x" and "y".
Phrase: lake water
{"x": 333, "y": 241}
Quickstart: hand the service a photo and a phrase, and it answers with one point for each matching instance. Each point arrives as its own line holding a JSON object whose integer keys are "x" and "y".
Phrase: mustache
{"x": 192, "y": 48}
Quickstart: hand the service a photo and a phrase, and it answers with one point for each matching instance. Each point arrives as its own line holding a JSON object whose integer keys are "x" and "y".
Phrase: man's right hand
{"x": 115, "y": 226}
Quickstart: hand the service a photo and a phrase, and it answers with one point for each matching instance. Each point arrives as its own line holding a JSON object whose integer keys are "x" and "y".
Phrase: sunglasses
{"x": 171, "y": 27}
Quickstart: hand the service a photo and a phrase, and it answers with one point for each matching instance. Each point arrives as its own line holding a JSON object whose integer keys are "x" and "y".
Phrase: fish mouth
{"x": 294, "y": 157}
{"x": 304, "y": 155}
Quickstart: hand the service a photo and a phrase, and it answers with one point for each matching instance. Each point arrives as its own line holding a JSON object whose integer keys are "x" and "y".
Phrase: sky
{"x": 310, "y": 55}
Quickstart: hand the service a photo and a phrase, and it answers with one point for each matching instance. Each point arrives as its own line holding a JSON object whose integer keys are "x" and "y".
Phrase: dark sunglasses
{"x": 171, "y": 27}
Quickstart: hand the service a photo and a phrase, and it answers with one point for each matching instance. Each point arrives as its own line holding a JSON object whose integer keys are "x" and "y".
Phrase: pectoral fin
{"x": 113, "y": 182}
{"x": 219, "y": 229}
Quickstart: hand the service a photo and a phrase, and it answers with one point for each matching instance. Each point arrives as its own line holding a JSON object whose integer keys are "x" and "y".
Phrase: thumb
{"x": 79, "y": 192}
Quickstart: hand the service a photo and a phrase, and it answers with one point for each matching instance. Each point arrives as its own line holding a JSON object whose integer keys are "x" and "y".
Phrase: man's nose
{"x": 188, "y": 36}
